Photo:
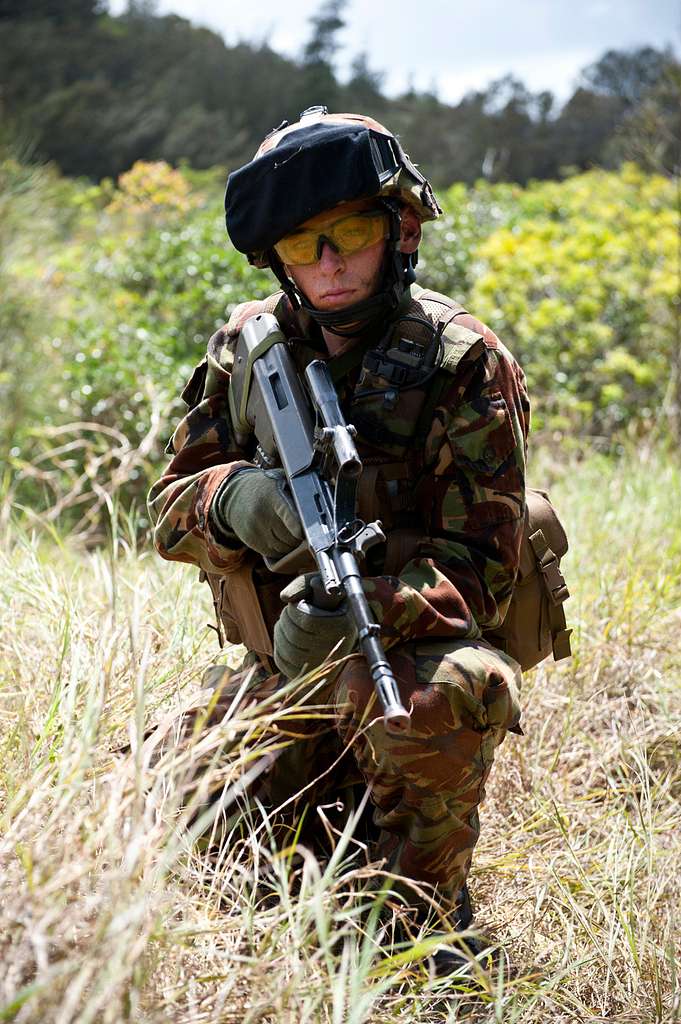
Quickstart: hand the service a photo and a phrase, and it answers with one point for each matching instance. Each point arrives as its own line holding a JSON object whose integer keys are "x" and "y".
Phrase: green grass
{"x": 110, "y": 912}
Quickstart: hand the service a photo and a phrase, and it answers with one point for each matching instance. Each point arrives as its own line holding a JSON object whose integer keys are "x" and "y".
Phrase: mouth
{"x": 338, "y": 295}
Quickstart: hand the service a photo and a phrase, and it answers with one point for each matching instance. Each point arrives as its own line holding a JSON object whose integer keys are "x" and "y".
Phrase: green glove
{"x": 305, "y": 635}
{"x": 254, "y": 507}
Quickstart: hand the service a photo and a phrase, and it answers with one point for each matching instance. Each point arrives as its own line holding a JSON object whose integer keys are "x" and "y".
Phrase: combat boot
{"x": 461, "y": 956}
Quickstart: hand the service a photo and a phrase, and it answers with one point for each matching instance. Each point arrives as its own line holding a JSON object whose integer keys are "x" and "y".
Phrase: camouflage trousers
{"x": 425, "y": 786}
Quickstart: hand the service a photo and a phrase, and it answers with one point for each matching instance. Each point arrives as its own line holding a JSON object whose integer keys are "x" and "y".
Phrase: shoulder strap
{"x": 458, "y": 341}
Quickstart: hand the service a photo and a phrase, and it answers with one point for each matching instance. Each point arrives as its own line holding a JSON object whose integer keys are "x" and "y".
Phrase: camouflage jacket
{"x": 444, "y": 471}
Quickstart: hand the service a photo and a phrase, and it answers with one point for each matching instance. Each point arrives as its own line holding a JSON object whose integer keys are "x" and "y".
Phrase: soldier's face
{"x": 336, "y": 281}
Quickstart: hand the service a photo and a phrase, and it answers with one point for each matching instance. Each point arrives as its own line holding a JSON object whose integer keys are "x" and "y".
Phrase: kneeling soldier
{"x": 334, "y": 207}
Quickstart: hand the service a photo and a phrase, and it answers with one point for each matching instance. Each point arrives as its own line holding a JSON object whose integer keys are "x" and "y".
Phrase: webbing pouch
{"x": 246, "y": 610}
{"x": 534, "y": 626}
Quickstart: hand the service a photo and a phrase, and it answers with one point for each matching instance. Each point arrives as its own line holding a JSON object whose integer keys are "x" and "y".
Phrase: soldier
{"x": 334, "y": 207}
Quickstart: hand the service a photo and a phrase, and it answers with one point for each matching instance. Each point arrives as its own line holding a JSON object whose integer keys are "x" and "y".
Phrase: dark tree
{"x": 585, "y": 123}
{"x": 322, "y": 46}
{"x": 651, "y": 133}
{"x": 363, "y": 90}
{"x": 317, "y": 82}
{"x": 627, "y": 75}
{"x": 60, "y": 12}
{"x": 95, "y": 93}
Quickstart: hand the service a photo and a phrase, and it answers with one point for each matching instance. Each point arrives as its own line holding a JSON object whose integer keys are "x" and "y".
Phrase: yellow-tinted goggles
{"x": 346, "y": 235}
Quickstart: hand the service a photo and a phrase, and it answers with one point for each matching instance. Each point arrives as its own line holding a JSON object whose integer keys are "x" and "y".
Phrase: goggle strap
{"x": 288, "y": 287}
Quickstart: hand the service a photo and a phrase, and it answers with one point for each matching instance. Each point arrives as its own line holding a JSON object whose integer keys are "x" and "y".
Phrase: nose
{"x": 329, "y": 257}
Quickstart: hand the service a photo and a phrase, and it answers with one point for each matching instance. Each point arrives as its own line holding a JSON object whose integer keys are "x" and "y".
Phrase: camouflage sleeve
{"x": 462, "y": 579}
{"x": 204, "y": 453}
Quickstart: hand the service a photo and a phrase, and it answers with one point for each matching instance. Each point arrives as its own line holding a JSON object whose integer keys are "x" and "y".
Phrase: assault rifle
{"x": 303, "y": 430}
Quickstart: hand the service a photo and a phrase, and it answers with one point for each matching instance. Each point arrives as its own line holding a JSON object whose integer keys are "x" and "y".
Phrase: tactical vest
{"x": 391, "y": 406}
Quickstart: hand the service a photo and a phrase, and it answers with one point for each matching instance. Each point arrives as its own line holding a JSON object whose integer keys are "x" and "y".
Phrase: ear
{"x": 410, "y": 230}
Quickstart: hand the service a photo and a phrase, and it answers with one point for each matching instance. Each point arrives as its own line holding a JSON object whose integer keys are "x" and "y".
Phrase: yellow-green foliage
{"x": 151, "y": 187}
{"x": 582, "y": 285}
{"x": 578, "y": 278}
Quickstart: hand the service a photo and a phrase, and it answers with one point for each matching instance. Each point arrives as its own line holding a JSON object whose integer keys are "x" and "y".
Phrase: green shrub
{"x": 113, "y": 291}
{"x": 582, "y": 286}
{"x": 142, "y": 289}
{"x": 470, "y": 215}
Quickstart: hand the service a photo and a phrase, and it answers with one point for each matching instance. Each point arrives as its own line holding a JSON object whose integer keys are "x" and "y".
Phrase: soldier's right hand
{"x": 255, "y": 507}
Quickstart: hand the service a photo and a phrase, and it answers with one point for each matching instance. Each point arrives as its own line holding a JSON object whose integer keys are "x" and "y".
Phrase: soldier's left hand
{"x": 305, "y": 634}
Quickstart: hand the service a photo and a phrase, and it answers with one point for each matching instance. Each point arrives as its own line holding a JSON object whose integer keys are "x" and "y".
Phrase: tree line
{"x": 94, "y": 93}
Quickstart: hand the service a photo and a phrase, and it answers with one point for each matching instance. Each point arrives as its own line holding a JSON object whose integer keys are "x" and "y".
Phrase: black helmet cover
{"x": 311, "y": 170}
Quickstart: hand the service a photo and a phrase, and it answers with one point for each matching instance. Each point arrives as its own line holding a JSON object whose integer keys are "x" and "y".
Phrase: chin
{"x": 341, "y": 302}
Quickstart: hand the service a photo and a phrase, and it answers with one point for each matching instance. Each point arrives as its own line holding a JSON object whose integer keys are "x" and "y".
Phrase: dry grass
{"x": 109, "y": 913}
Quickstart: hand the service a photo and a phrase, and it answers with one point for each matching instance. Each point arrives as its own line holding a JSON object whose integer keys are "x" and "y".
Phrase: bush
{"x": 577, "y": 277}
{"x": 146, "y": 281}
{"x": 583, "y": 287}
{"x": 470, "y": 215}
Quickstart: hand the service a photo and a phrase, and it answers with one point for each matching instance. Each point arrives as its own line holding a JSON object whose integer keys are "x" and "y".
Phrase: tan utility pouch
{"x": 245, "y": 613}
{"x": 535, "y": 625}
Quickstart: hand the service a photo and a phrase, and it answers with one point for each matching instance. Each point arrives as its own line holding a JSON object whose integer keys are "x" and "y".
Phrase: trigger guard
{"x": 368, "y": 538}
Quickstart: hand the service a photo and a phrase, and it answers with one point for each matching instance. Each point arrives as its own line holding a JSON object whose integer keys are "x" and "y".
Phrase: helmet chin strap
{"x": 351, "y": 321}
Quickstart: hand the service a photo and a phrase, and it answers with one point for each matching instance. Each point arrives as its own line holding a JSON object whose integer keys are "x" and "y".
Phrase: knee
{"x": 451, "y": 689}
{"x": 356, "y": 692}
{"x": 483, "y": 686}
{"x": 429, "y": 704}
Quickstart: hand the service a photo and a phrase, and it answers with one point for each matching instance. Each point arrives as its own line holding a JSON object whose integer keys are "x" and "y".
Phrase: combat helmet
{"x": 311, "y": 166}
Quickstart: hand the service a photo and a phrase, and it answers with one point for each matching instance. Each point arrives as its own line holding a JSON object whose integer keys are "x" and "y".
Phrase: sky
{"x": 452, "y": 46}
